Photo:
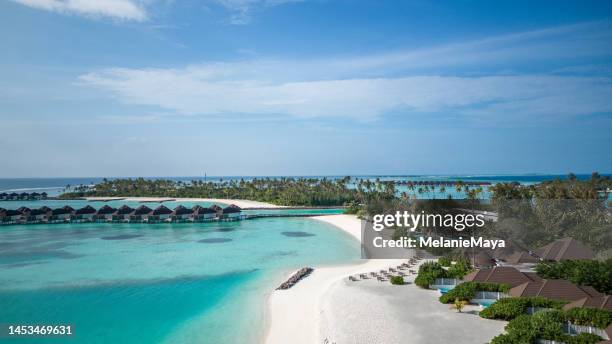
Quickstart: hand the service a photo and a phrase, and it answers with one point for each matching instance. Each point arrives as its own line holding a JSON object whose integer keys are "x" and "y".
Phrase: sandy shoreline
{"x": 326, "y": 307}
{"x": 294, "y": 314}
{"x": 245, "y": 204}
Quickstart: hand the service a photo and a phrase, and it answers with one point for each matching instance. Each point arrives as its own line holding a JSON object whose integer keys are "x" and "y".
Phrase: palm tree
{"x": 459, "y": 305}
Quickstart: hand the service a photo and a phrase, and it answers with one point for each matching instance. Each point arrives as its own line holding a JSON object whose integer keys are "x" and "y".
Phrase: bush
{"x": 599, "y": 318}
{"x": 512, "y": 307}
{"x": 444, "y": 261}
{"x": 459, "y": 269}
{"x": 467, "y": 290}
{"x": 582, "y": 272}
{"x": 584, "y": 338}
{"x": 398, "y": 280}
{"x": 428, "y": 272}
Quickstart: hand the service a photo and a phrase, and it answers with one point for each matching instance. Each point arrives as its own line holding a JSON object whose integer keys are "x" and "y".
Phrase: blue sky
{"x": 289, "y": 87}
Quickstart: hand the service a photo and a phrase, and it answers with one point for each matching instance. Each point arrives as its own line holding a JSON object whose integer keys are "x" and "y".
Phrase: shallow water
{"x": 155, "y": 283}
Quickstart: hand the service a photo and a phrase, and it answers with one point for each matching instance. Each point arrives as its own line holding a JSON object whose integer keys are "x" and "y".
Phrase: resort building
{"x": 3, "y": 196}
{"x": 105, "y": 213}
{"x": 86, "y": 213}
{"x": 161, "y": 213}
{"x": 519, "y": 258}
{"x": 24, "y": 196}
{"x": 554, "y": 290}
{"x": 11, "y": 216}
{"x": 123, "y": 213}
{"x": 140, "y": 214}
{"x": 181, "y": 214}
{"x": 599, "y": 302}
{"x": 218, "y": 210}
{"x": 502, "y": 274}
{"x": 204, "y": 214}
{"x": 231, "y": 212}
{"x": 37, "y": 215}
{"x": 565, "y": 249}
{"x": 61, "y": 214}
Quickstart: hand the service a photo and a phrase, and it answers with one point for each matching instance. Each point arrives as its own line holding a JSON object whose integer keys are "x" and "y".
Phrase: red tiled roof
{"x": 600, "y": 302}
{"x": 550, "y": 289}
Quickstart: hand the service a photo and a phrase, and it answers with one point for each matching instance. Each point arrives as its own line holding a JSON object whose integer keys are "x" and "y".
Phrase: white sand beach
{"x": 325, "y": 306}
{"x": 245, "y": 204}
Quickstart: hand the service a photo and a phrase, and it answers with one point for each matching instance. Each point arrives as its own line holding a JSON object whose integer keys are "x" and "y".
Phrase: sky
{"x": 312, "y": 87}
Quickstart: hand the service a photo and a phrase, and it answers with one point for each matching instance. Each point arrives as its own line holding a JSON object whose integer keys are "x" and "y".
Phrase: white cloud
{"x": 117, "y": 9}
{"x": 367, "y": 87}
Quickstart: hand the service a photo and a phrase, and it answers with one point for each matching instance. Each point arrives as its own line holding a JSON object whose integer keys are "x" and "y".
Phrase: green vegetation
{"x": 467, "y": 290}
{"x": 444, "y": 261}
{"x": 512, "y": 307}
{"x": 549, "y": 325}
{"x": 535, "y": 215}
{"x": 459, "y": 305}
{"x": 582, "y": 272}
{"x": 284, "y": 191}
{"x": 428, "y": 272}
{"x": 398, "y": 280}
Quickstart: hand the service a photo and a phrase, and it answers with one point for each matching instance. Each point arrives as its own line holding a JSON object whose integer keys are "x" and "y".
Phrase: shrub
{"x": 511, "y": 307}
{"x": 398, "y": 280}
{"x": 428, "y": 272}
{"x": 444, "y": 261}
{"x": 548, "y": 324}
{"x": 467, "y": 290}
{"x": 584, "y": 338}
{"x": 459, "y": 269}
{"x": 582, "y": 272}
{"x": 600, "y": 318}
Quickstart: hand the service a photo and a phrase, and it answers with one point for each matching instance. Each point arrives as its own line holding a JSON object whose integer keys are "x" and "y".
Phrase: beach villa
{"x": 565, "y": 249}
{"x": 554, "y": 289}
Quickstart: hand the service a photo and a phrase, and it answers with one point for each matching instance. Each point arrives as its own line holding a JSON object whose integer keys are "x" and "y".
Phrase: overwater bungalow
{"x": 122, "y": 213}
{"x": 43, "y": 195}
{"x": 3, "y": 196}
{"x": 13, "y": 196}
{"x": 23, "y": 196}
{"x": 86, "y": 213}
{"x": 203, "y": 214}
{"x": 217, "y": 209}
{"x": 11, "y": 216}
{"x": 61, "y": 214}
{"x": 23, "y": 210}
{"x": 231, "y": 212}
{"x": 181, "y": 214}
{"x": 35, "y": 196}
{"x": 105, "y": 213}
{"x": 37, "y": 215}
{"x": 140, "y": 214}
{"x": 161, "y": 213}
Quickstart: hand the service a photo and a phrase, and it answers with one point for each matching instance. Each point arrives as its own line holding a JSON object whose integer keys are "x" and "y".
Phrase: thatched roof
{"x": 198, "y": 210}
{"x": 215, "y": 207}
{"x": 231, "y": 210}
{"x": 45, "y": 208}
{"x": 142, "y": 210}
{"x": 162, "y": 210}
{"x": 181, "y": 210}
{"x": 124, "y": 210}
{"x": 36, "y": 212}
{"x": 86, "y": 210}
{"x": 62, "y": 210}
{"x": 564, "y": 249}
{"x": 23, "y": 210}
{"x": 11, "y": 212}
{"x": 106, "y": 209}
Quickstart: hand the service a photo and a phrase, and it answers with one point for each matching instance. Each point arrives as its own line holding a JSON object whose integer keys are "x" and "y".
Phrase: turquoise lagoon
{"x": 157, "y": 283}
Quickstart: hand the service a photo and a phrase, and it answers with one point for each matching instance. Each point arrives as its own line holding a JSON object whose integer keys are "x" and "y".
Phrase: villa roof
{"x": 181, "y": 210}
{"x": 62, "y": 210}
{"x": 45, "y": 208}
{"x": 564, "y": 249}
{"x": 106, "y": 209}
{"x": 23, "y": 194}
{"x": 483, "y": 259}
{"x": 123, "y": 210}
{"x": 12, "y": 212}
{"x": 161, "y": 210}
{"x": 234, "y": 206}
{"x": 231, "y": 210}
{"x": 13, "y": 194}
{"x": 142, "y": 210}
{"x": 43, "y": 194}
{"x": 86, "y": 210}
{"x": 2, "y": 210}
{"x": 4, "y": 194}
{"x": 198, "y": 210}
{"x": 34, "y": 194}
{"x": 215, "y": 207}
{"x": 23, "y": 210}
{"x": 552, "y": 289}
{"x": 521, "y": 258}
{"x": 600, "y": 302}
{"x": 501, "y": 274}
{"x": 40, "y": 211}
